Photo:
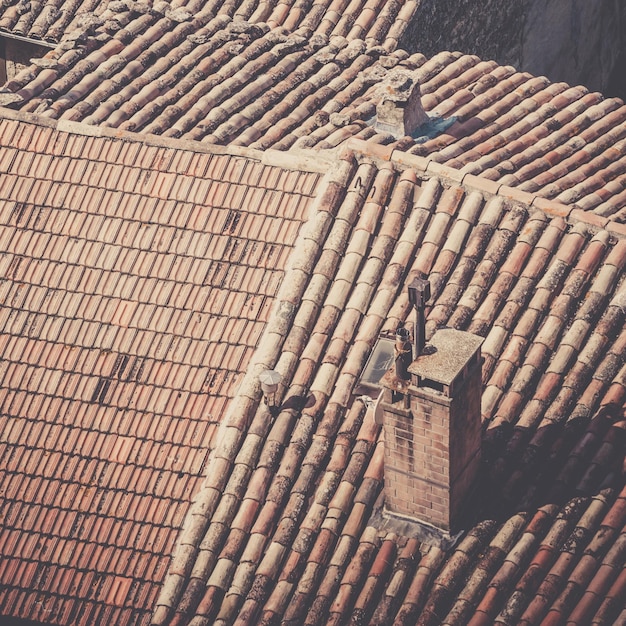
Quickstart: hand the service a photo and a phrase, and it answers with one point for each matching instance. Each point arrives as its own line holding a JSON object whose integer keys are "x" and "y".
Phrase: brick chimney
{"x": 399, "y": 110}
{"x": 432, "y": 431}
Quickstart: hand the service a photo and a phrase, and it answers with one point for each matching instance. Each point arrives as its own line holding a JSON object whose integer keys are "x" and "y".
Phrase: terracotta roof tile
{"x": 610, "y": 606}
{"x": 293, "y": 493}
{"x": 306, "y": 490}
{"x": 224, "y": 80}
{"x": 124, "y": 358}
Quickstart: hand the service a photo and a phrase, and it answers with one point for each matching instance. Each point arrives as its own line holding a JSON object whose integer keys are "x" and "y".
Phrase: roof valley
{"x": 232, "y": 430}
{"x": 320, "y": 387}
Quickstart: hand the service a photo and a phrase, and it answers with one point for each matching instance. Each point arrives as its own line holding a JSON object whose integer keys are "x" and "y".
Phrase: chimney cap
{"x": 450, "y": 352}
{"x": 399, "y": 109}
{"x": 419, "y": 292}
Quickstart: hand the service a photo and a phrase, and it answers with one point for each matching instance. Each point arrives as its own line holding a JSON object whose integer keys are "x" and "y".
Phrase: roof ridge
{"x": 428, "y": 164}
{"x": 298, "y": 159}
{"x": 313, "y": 160}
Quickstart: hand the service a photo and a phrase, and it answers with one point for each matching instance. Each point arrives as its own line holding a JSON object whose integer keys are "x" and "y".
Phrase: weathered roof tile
{"x": 89, "y": 483}
{"x": 348, "y": 485}
{"x": 548, "y": 302}
{"x": 503, "y": 123}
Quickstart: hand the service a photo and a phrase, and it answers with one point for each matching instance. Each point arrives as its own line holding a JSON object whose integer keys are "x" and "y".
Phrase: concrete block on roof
{"x": 399, "y": 110}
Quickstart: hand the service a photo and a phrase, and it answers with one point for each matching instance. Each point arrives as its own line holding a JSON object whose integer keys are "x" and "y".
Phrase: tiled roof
{"x": 137, "y": 279}
{"x": 207, "y": 78}
{"x": 47, "y": 21}
{"x": 379, "y": 22}
{"x": 287, "y": 526}
{"x": 226, "y": 81}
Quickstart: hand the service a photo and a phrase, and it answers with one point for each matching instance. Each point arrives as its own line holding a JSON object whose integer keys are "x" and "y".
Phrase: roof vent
{"x": 399, "y": 110}
{"x": 270, "y": 379}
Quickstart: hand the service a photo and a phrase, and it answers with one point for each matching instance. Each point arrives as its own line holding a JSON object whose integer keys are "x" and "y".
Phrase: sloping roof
{"x": 137, "y": 279}
{"x": 228, "y": 81}
{"x": 287, "y": 527}
{"x": 46, "y": 21}
{"x": 380, "y": 22}
{"x": 189, "y": 79}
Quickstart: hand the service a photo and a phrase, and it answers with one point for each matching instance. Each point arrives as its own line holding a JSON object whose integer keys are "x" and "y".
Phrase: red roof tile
{"x": 300, "y": 541}
{"x": 281, "y": 527}
{"x": 123, "y": 344}
{"x": 222, "y": 80}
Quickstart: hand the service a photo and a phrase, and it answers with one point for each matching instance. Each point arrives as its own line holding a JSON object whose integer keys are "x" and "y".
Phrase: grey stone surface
{"x": 575, "y": 41}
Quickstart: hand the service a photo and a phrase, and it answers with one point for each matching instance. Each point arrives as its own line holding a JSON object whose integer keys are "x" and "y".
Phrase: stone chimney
{"x": 432, "y": 432}
{"x": 399, "y": 110}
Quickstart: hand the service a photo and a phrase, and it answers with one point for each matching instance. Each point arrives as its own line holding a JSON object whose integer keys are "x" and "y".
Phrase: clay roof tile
{"x": 610, "y": 605}
{"x": 443, "y": 232}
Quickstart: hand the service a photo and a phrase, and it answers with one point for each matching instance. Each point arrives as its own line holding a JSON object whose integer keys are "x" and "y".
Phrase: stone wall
{"x": 15, "y": 55}
{"x": 575, "y": 41}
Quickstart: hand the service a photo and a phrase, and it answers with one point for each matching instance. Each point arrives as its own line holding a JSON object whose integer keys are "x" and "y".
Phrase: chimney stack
{"x": 399, "y": 110}
{"x": 432, "y": 432}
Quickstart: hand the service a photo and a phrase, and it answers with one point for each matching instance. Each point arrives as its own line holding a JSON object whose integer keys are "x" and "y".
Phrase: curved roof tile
{"x": 507, "y": 200}
{"x": 203, "y": 74}
{"x": 380, "y": 22}
{"x": 301, "y": 540}
{"x": 137, "y": 279}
